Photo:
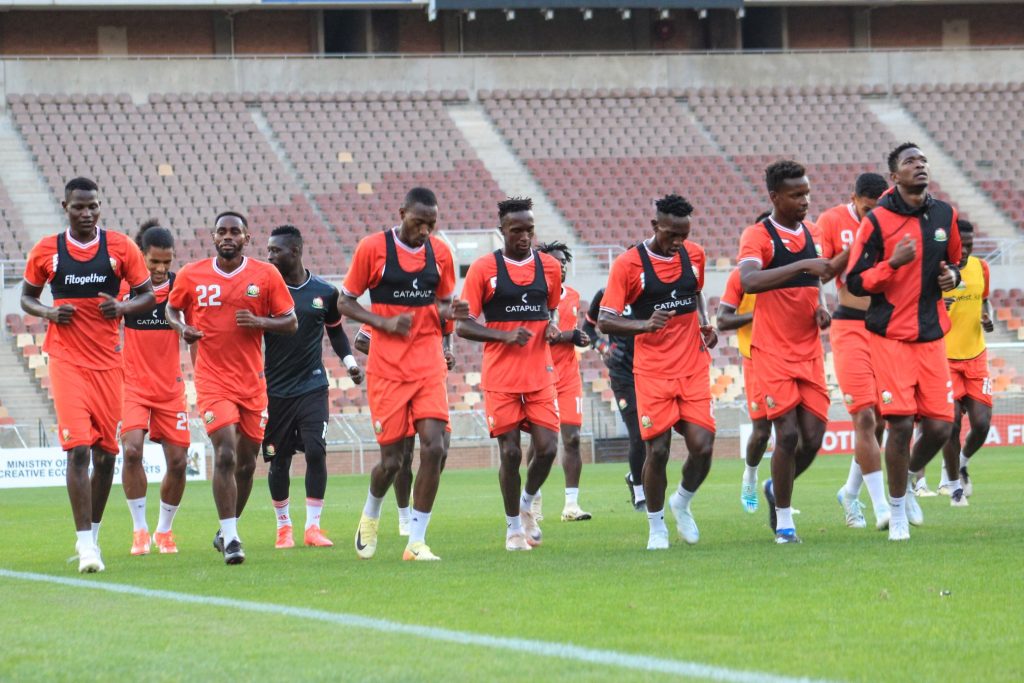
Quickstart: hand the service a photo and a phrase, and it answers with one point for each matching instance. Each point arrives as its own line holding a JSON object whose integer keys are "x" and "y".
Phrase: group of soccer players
{"x": 899, "y": 256}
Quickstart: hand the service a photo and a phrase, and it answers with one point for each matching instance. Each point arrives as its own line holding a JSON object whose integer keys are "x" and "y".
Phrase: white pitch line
{"x": 586, "y": 655}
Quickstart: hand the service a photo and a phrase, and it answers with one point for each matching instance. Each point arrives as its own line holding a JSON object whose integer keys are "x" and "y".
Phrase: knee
{"x": 79, "y": 457}
{"x": 786, "y": 439}
{"x": 512, "y": 456}
{"x": 981, "y": 424}
{"x": 176, "y": 462}
{"x": 133, "y": 454}
{"x": 900, "y": 432}
{"x": 761, "y": 432}
{"x": 225, "y": 458}
{"x": 391, "y": 465}
{"x": 103, "y": 461}
{"x": 704, "y": 450}
{"x": 245, "y": 468}
{"x": 941, "y": 431}
{"x": 659, "y": 454}
{"x": 864, "y": 420}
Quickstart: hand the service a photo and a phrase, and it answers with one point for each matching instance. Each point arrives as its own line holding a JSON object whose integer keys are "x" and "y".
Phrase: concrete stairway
{"x": 945, "y": 170}
{"x": 39, "y": 209}
{"x": 23, "y": 398}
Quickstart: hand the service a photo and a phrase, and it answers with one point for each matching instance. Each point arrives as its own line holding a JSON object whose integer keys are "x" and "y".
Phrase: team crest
{"x": 263, "y": 419}
{"x": 490, "y": 421}
{"x": 209, "y": 417}
{"x": 113, "y": 263}
{"x": 318, "y": 303}
{"x": 769, "y": 401}
{"x": 270, "y": 450}
{"x": 817, "y": 249}
{"x": 623, "y": 403}
{"x": 65, "y": 434}
{"x": 378, "y": 427}
{"x": 940, "y": 235}
{"x": 886, "y": 397}
{"x": 647, "y": 422}
{"x": 753, "y": 406}
{"x": 848, "y": 399}
{"x": 252, "y": 290}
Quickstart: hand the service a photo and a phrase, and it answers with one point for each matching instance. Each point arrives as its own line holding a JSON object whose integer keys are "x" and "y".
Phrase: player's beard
{"x": 229, "y": 253}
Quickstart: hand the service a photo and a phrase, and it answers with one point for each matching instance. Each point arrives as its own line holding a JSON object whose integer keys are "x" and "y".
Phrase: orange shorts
{"x": 664, "y": 403}
{"x": 508, "y": 411}
{"x": 88, "y": 404}
{"x": 395, "y": 406}
{"x": 912, "y": 378}
{"x": 851, "y": 349}
{"x": 790, "y": 383}
{"x": 755, "y": 395}
{"x": 570, "y": 401}
{"x": 166, "y": 422}
{"x": 250, "y": 414}
{"x": 971, "y": 378}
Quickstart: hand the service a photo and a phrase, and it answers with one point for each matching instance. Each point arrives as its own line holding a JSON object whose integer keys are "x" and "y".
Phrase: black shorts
{"x": 625, "y": 397}
{"x": 296, "y": 423}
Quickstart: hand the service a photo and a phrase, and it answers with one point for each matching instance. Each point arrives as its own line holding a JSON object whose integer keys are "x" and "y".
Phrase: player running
{"x": 970, "y": 315}
{"x": 517, "y": 289}
{"x": 617, "y": 353}
{"x": 850, "y": 349}
{"x": 411, "y": 276}
{"x": 84, "y": 267}
{"x": 297, "y": 387}
{"x": 901, "y": 257}
{"x": 779, "y": 260}
{"x": 568, "y": 387}
{"x": 154, "y": 397}
{"x": 225, "y": 305}
{"x": 661, "y": 279}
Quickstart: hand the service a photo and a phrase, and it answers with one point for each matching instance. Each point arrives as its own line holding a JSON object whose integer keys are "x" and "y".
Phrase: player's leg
{"x": 897, "y": 460}
{"x": 403, "y": 486}
{"x": 700, "y": 443}
{"x": 103, "y": 461}
{"x": 510, "y": 457}
{"x": 105, "y": 403}
{"x": 312, "y": 434}
{"x": 279, "y": 482}
{"x": 625, "y": 398}
{"x": 865, "y": 468}
{"x": 979, "y": 416}
{"x": 952, "y": 448}
{"x": 428, "y": 478}
{"x": 572, "y": 466}
{"x": 133, "y": 479}
{"x": 541, "y": 414}
{"x": 779, "y": 489}
{"x": 225, "y": 488}
{"x": 172, "y": 490}
{"x": 80, "y": 495}
{"x": 655, "y": 481}
{"x": 246, "y": 450}
{"x": 756, "y": 446}
{"x": 537, "y": 506}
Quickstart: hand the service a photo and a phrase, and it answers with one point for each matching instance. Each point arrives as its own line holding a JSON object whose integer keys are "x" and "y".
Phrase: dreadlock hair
{"x": 83, "y": 184}
{"x": 236, "y": 214}
{"x": 548, "y": 247}
{"x": 870, "y": 185}
{"x": 419, "y": 195}
{"x": 152, "y": 235}
{"x": 965, "y": 226}
{"x": 514, "y": 205}
{"x": 673, "y": 205}
{"x": 894, "y": 156}
{"x": 781, "y": 171}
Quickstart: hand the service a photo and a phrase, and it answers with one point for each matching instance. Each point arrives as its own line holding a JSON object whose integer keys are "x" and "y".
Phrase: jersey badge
{"x": 623, "y": 404}
{"x": 378, "y": 427}
{"x": 270, "y": 450}
{"x": 65, "y": 434}
{"x": 647, "y": 422}
{"x": 848, "y": 399}
{"x": 318, "y": 303}
{"x": 209, "y": 417}
{"x": 252, "y": 290}
{"x": 769, "y": 401}
{"x": 940, "y": 235}
{"x": 886, "y": 397}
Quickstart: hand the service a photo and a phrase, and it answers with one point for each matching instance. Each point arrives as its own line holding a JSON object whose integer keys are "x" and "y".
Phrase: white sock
{"x": 314, "y": 508}
{"x": 418, "y": 527}
{"x": 638, "y": 493}
{"x": 229, "y": 529}
{"x": 572, "y": 496}
{"x": 963, "y": 460}
{"x": 946, "y": 481}
{"x": 96, "y": 532}
{"x": 527, "y": 500}
{"x": 514, "y": 524}
{"x": 921, "y": 484}
{"x": 372, "y": 507}
{"x": 750, "y": 475}
{"x": 785, "y": 518}
{"x": 685, "y": 496}
{"x": 899, "y": 509}
{"x": 166, "y": 520}
{"x": 853, "y": 481}
{"x": 282, "y": 510}
{"x": 405, "y": 514}
{"x": 876, "y": 489}
{"x": 137, "y": 506}
{"x": 657, "y": 521}
{"x": 84, "y": 539}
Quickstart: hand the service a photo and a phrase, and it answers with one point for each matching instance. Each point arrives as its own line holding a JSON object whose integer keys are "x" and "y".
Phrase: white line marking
{"x": 541, "y": 648}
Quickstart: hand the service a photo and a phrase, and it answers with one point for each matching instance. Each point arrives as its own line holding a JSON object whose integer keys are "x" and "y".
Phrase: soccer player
{"x": 517, "y": 289}
{"x": 901, "y": 257}
{"x": 617, "y": 353}
{"x": 154, "y": 396}
{"x": 661, "y": 280}
{"x": 736, "y": 312}
{"x": 970, "y": 315}
{"x": 850, "y": 349}
{"x": 84, "y": 267}
{"x": 411, "y": 276}
{"x": 779, "y": 260}
{"x": 225, "y": 305}
{"x": 568, "y": 386}
{"x": 297, "y": 408}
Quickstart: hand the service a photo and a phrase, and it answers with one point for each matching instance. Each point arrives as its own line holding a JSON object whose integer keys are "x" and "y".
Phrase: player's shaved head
{"x": 288, "y": 232}
{"x": 419, "y": 195}
{"x": 870, "y": 185}
{"x": 81, "y": 184}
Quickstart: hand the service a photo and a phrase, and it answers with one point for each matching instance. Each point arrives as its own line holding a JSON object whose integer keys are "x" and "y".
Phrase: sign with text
{"x": 34, "y": 467}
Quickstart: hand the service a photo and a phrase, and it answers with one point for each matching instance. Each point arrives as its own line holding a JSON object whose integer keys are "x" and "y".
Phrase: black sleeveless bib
{"x": 83, "y": 279}
{"x": 784, "y": 256}
{"x": 154, "y": 319}
{"x": 679, "y": 296}
{"x": 512, "y": 302}
{"x": 400, "y": 288}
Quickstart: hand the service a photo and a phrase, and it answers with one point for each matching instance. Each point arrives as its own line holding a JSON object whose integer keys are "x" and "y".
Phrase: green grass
{"x": 844, "y": 605}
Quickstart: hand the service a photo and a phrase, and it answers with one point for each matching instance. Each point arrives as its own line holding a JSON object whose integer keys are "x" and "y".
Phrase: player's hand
{"x": 245, "y": 318}
{"x": 822, "y": 318}
{"x": 355, "y": 373}
{"x": 657, "y": 320}
{"x": 61, "y": 314}
{"x": 904, "y": 252}
{"x": 519, "y": 336}
{"x": 710, "y": 336}
{"x": 110, "y": 307}
{"x": 614, "y": 355}
{"x": 947, "y": 278}
{"x": 580, "y": 338}
{"x": 399, "y": 324}
{"x": 818, "y": 267}
{"x": 458, "y": 310}
{"x": 552, "y": 335}
{"x": 449, "y": 359}
{"x": 191, "y": 335}
{"x": 986, "y": 323}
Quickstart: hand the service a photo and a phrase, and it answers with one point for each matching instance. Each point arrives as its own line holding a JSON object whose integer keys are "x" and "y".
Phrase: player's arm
{"x": 176, "y": 319}
{"x": 448, "y": 349}
{"x": 473, "y": 331}
{"x": 837, "y": 264}
{"x": 31, "y": 304}
{"x": 349, "y": 307}
{"x": 987, "y": 316}
{"x": 869, "y": 272}
{"x": 361, "y": 343}
{"x": 729, "y": 319}
{"x": 339, "y": 343}
{"x": 821, "y": 314}
{"x": 755, "y": 280}
{"x": 142, "y": 300}
{"x": 281, "y": 324}
{"x": 707, "y": 332}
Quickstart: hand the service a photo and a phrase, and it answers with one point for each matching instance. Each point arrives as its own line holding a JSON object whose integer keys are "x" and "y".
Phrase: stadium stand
{"x": 14, "y": 240}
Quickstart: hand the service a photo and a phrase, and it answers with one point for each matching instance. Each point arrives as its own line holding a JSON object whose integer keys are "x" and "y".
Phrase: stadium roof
{"x": 580, "y": 4}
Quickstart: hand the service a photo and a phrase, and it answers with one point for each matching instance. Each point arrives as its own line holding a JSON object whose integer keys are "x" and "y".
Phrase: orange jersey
{"x": 510, "y": 368}
{"x": 417, "y": 356}
{"x": 563, "y": 356}
{"x": 152, "y": 366}
{"x": 784, "y": 321}
{"x": 229, "y": 360}
{"x": 742, "y": 303}
{"x": 89, "y": 340}
{"x": 838, "y": 226}
{"x": 677, "y": 350}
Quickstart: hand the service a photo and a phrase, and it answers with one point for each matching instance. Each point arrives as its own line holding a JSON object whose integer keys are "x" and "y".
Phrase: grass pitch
{"x": 846, "y": 605}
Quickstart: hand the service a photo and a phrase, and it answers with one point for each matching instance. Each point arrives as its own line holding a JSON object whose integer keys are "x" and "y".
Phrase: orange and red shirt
{"x": 563, "y": 355}
{"x": 676, "y": 350}
{"x": 229, "y": 359}
{"x": 838, "y": 227}
{"x": 742, "y": 303}
{"x": 417, "y": 356}
{"x": 89, "y": 340}
{"x": 784, "y": 324}
{"x": 511, "y": 368}
{"x": 152, "y": 355}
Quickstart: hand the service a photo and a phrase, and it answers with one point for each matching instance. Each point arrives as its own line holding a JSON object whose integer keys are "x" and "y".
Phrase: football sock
{"x": 372, "y": 507}
{"x": 405, "y": 514}
{"x": 84, "y": 538}
{"x": 314, "y": 508}
{"x": 514, "y": 524}
{"x": 964, "y": 459}
{"x": 899, "y": 508}
{"x": 418, "y": 528}
{"x": 572, "y": 496}
{"x": 876, "y": 489}
{"x": 229, "y": 529}
{"x": 853, "y": 481}
{"x": 685, "y": 496}
{"x": 638, "y": 493}
{"x": 166, "y": 520}
{"x": 526, "y": 500}
{"x": 785, "y": 518}
{"x": 657, "y": 521}
{"x": 750, "y": 475}
{"x": 96, "y": 532}
{"x": 281, "y": 509}
{"x": 137, "y": 506}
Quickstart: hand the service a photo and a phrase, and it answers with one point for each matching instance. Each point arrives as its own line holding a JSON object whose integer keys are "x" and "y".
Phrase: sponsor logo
{"x": 524, "y": 297}
{"x": 524, "y": 309}
{"x": 886, "y": 397}
{"x": 940, "y": 235}
{"x": 675, "y": 303}
{"x": 378, "y": 427}
{"x": 412, "y": 294}
{"x": 623, "y": 404}
{"x": 359, "y": 541}
{"x": 90, "y": 279}
{"x": 493, "y": 282}
{"x": 769, "y": 401}
{"x": 209, "y": 417}
{"x": 318, "y": 303}
{"x": 415, "y": 283}
{"x": 647, "y": 422}
{"x": 270, "y": 450}
{"x": 848, "y": 399}
{"x": 252, "y": 290}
